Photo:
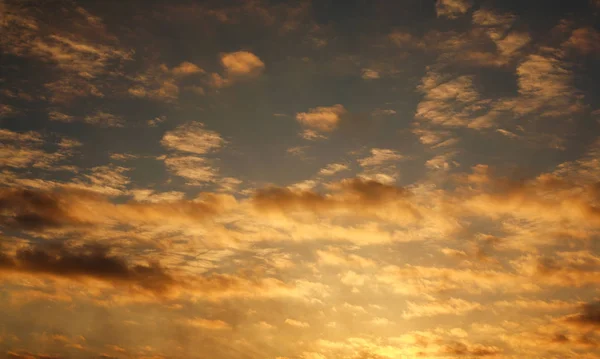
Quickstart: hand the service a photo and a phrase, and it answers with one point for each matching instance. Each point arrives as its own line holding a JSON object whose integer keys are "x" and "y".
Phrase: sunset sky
{"x": 326, "y": 179}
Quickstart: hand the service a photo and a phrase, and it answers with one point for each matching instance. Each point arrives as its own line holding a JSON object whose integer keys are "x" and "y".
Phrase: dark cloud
{"x": 465, "y": 350}
{"x": 33, "y": 210}
{"x": 37, "y": 210}
{"x": 96, "y": 262}
{"x": 27, "y": 355}
{"x": 346, "y": 193}
{"x": 588, "y": 317}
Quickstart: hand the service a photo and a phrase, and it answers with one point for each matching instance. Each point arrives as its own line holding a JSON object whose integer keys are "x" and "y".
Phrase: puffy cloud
{"x": 370, "y": 74}
{"x": 491, "y": 18}
{"x": 186, "y": 68}
{"x": 333, "y": 168}
{"x": 546, "y": 86}
{"x": 353, "y": 279}
{"x": 196, "y": 170}
{"x": 296, "y": 323}
{"x": 584, "y": 40}
{"x": 380, "y": 156}
{"x": 323, "y": 119}
{"x": 450, "y": 102}
{"x": 242, "y": 64}
{"x": 452, "y": 8}
{"x": 192, "y": 137}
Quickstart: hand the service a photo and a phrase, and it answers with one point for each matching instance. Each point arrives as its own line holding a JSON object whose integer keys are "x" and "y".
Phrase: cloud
{"x": 565, "y": 269}
{"x": 525, "y": 304}
{"x": 454, "y": 306}
{"x": 490, "y": 18}
{"x": 242, "y": 64}
{"x": 150, "y": 196}
{"x": 350, "y": 195}
{"x": 545, "y": 85}
{"x": 443, "y": 162}
{"x": 353, "y": 279}
{"x": 380, "y": 156}
{"x": 383, "y": 112}
{"x": 449, "y": 102}
{"x": 322, "y": 119}
{"x": 95, "y": 262}
{"x": 585, "y": 40}
{"x": 336, "y": 257}
{"x": 477, "y": 350}
{"x": 433, "y": 281}
{"x": 192, "y": 137}
{"x": 73, "y": 42}
{"x": 59, "y": 116}
{"x": 312, "y": 135}
{"x": 370, "y": 74}
{"x": 156, "y": 121}
{"x": 23, "y": 150}
{"x": 213, "y": 324}
{"x": 452, "y": 8}
{"x": 296, "y": 323}
{"x": 77, "y": 55}
{"x": 589, "y": 317}
{"x": 401, "y": 38}
{"x": 38, "y": 210}
{"x": 186, "y": 68}
{"x": 108, "y": 180}
{"x": 104, "y": 119}
{"x": 196, "y": 170}
{"x": 333, "y": 168}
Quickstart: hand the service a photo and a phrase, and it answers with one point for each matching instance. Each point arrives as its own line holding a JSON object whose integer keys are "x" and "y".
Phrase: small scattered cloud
{"x": 383, "y": 112}
{"x": 452, "y": 9}
{"x": 296, "y": 323}
{"x": 370, "y": 74}
{"x": 333, "y": 168}
{"x": 59, "y": 116}
{"x": 157, "y": 120}
{"x": 584, "y": 40}
{"x": 380, "y": 156}
{"x": 452, "y": 306}
{"x": 322, "y": 118}
{"x": 212, "y": 324}
{"x": 186, "y": 68}
{"x": 242, "y": 64}
{"x": 104, "y": 119}
{"x": 196, "y": 170}
{"x": 192, "y": 137}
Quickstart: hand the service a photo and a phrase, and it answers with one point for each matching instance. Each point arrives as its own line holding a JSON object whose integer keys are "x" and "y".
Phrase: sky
{"x": 327, "y": 179}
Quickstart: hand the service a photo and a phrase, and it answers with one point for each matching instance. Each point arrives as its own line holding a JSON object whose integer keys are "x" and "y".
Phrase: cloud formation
{"x": 322, "y": 118}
